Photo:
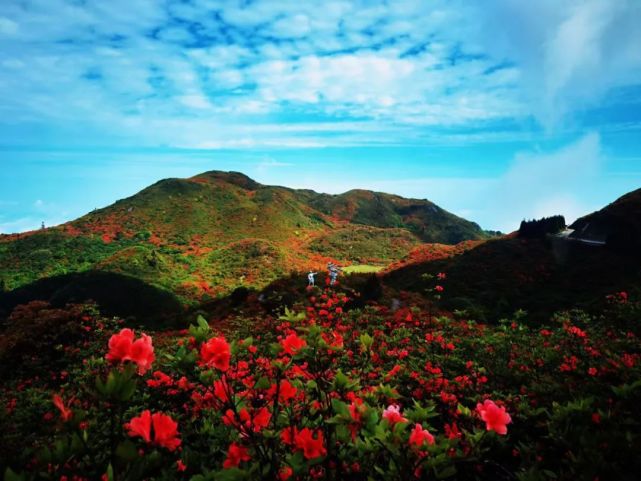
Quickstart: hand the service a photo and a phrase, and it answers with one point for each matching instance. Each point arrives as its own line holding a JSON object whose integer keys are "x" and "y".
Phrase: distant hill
{"x": 618, "y": 224}
{"x": 541, "y": 274}
{"x": 204, "y": 236}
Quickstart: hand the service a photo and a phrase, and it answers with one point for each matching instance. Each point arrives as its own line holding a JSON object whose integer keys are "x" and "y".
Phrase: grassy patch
{"x": 362, "y": 269}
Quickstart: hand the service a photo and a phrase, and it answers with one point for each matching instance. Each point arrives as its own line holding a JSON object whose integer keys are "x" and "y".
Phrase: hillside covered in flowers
{"x": 325, "y": 391}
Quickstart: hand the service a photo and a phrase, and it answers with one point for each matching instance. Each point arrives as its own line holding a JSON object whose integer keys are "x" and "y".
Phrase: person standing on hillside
{"x": 310, "y": 278}
{"x": 333, "y": 273}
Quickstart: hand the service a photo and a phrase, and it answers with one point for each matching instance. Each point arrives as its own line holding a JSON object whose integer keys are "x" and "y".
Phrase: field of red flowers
{"x": 323, "y": 392}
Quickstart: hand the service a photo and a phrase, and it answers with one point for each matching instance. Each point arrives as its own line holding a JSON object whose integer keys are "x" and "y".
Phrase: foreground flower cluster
{"x": 327, "y": 393}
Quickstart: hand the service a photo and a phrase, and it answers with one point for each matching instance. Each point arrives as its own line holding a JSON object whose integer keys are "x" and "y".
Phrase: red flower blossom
{"x": 141, "y": 426}
{"x": 393, "y": 414}
{"x": 286, "y": 391}
{"x": 495, "y": 417}
{"x": 261, "y": 419}
{"x": 65, "y": 412}
{"x": 312, "y": 447}
{"x": 142, "y": 353}
{"x": 216, "y": 352}
{"x": 235, "y": 454}
{"x": 122, "y": 347}
{"x": 221, "y": 390}
{"x": 292, "y": 344}
{"x": 165, "y": 429}
{"x": 420, "y": 436}
{"x": 285, "y": 473}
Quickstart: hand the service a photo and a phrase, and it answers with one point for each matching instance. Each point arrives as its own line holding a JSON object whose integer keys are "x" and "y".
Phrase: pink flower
{"x": 420, "y": 436}
{"x": 393, "y": 414}
{"x": 495, "y": 417}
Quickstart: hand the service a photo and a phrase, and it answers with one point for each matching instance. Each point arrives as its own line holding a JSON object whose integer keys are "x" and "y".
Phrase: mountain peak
{"x": 236, "y": 178}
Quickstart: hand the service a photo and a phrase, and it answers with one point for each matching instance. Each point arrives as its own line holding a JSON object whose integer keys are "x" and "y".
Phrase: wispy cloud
{"x": 544, "y": 183}
{"x": 189, "y": 74}
{"x": 569, "y": 54}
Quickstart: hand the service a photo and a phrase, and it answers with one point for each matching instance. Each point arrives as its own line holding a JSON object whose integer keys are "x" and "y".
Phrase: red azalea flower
{"x": 142, "y": 353}
{"x": 312, "y": 447}
{"x": 292, "y": 344}
{"x": 65, "y": 412}
{"x": 221, "y": 390}
{"x": 287, "y": 435}
{"x": 285, "y": 473}
{"x": 261, "y": 419}
{"x": 123, "y": 348}
{"x": 235, "y": 454}
{"x": 180, "y": 466}
{"x": 286, "y": 391}
{"x": 495, "y": 417}
{"x": 452, "y": 431}
{"x": 120, "y": 345}
{"x": 141, "y": 426}
{"x": 216, "y": 352}
{"x": 165, "y": 429}
{"x": 393, "y": 414}
{"x": 420, "y": 436}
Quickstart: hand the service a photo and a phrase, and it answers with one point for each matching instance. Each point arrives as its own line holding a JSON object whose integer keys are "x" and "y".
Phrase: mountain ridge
{"x": 210, "y": 233}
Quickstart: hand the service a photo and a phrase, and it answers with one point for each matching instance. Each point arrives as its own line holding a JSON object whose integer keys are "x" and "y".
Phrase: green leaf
{"x": 10, "y": 475}
{"x": 464, "y": 410}
{"x": 202, "y": 323}
{"x": 340, "y": 407}
{"x": 263, "y": 383}
{"x": 340, "y": 380}
{"x": 232, "y": 474}
{"x": 127, "y": 451}
{"x": 446, "y": 472}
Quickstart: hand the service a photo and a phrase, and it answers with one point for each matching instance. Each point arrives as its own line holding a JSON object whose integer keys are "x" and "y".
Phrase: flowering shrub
{"x": 327, "y": 393}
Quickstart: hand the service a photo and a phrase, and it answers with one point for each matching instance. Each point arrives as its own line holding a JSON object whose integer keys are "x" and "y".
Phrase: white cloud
{"x": 538, "y": 183}
{"x": 393, "y": 70}
{"x": 570, "y": 53}
{"x": 195, "y": 101}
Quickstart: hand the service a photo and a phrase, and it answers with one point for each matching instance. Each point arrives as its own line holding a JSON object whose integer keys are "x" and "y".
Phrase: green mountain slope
{"x": 204, "y": 236}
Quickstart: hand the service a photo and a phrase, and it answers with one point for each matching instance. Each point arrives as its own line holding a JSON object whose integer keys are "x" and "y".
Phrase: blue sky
{"x": 496, "y": 110}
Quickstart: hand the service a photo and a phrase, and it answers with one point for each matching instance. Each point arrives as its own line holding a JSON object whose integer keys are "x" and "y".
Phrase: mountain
{"x": 201, "y": 237}
{"x": 541, "y": 275}
{"x": 618, "y": 224}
